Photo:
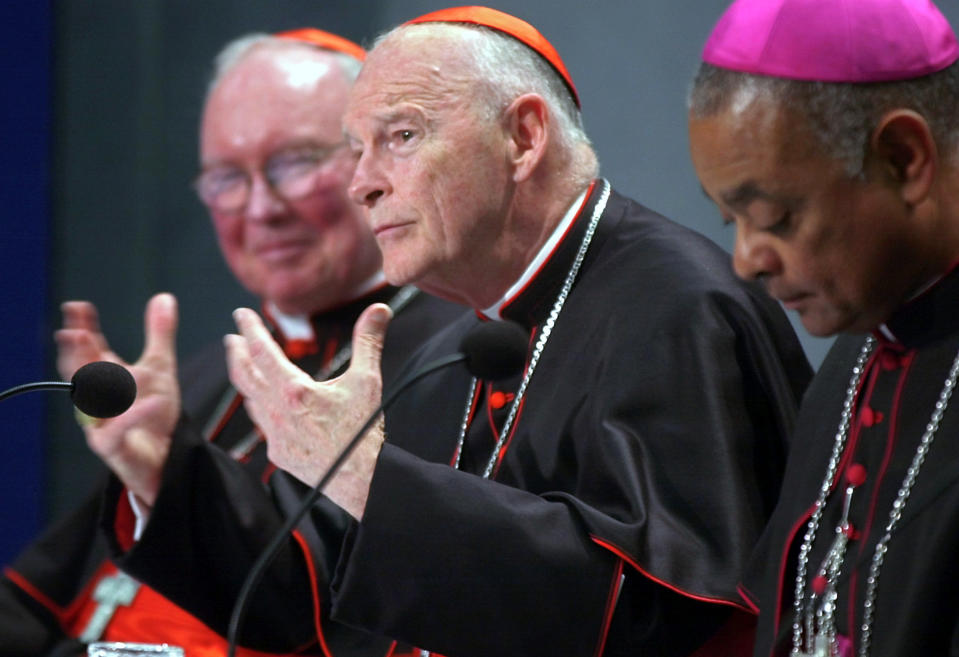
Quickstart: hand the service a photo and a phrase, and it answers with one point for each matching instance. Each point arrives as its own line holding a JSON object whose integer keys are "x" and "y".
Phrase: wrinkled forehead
{"x": 738, "y": 147}
{"x": 420, "y": 64}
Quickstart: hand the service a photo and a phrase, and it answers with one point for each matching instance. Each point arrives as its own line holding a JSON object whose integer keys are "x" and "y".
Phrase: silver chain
{"x": 872, "y": 581}
{"x": 813, "y": 524}
{"x": 539, "y": 346}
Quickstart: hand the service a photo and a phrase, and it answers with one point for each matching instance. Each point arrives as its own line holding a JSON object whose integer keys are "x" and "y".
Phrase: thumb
{"x": 160, "y": 325}
{"x": 369, "y": 332}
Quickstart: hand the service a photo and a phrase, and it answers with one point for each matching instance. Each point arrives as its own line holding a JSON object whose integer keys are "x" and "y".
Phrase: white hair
{"x": 236, "y": 50}
{"x": 505, "y": 68}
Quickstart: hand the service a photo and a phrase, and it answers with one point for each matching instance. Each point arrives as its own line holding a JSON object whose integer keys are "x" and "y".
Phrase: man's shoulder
{"x": 640, "y": 227}
{"x": 657, "y": 257}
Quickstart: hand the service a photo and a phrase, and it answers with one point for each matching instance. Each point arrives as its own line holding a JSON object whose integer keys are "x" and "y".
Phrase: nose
{"x": 263, "y": 203}
{"x": 369, "y": 184}
{"x": 754, "y": 256}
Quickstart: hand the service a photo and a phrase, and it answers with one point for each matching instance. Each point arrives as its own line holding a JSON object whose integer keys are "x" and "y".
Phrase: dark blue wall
{"x": 25, "y": 37}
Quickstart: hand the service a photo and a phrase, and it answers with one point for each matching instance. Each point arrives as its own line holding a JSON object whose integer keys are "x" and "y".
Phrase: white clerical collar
{"x": 299, "y": 327}
{"x": 493, "y": 312}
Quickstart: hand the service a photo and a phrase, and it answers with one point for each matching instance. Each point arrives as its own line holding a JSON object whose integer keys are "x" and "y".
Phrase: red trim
{"x": 519, "y": 411}
{"x": 890, "y": 445}
{"x": 615, "y": 587}
{"x": 907, "y": 361}
{"x": 74, "y": 617}
{"x": 78, "y": 614}
{"x": 314, "y": 589}
{"x": 749, "y": 599}
{"x": 873, "y": 368}
{"x": 154, "y": 619}
{"x": 268, "y": 471}
{"x": 330, "y": 351}
{"x": 293, "y": 348}
{"x": 507, "y": 302}
{"x": 298, "y": 348}
{"x": 124, "y": 522}
{"x": 35, "y": 593}
{"x": 325, "y": 40}
{"x": 846, "y": 456}
{"x": 619, "y": 552}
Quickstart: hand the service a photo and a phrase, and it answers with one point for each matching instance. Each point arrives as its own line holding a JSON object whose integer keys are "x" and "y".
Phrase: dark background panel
{"x": 128, "y": 79}
{"x": 25, "y": 38}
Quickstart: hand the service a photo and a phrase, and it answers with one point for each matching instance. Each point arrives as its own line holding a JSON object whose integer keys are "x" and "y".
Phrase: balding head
{"x": 465, "y": 165}
{"x": 491, "y": 69}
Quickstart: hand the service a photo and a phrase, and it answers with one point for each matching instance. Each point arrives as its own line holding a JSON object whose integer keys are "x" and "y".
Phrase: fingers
{"x": 83, "y": 315}
{"x": 80, "y": 315}
{"x": 238, "y": 364}
{"x": 369, "y": 333}
{"x": 75, "y": 348}
{"x": 263, "y": 351}
{"x": 160, "y": 324}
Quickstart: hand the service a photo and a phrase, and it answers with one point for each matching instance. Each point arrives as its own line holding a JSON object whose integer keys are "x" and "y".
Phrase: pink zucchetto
{"x": 833, "y": 40}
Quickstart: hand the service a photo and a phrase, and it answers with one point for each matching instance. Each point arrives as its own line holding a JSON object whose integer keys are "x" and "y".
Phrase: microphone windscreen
{"x": 102, "y": 389}
{"x": 495, "y": 350}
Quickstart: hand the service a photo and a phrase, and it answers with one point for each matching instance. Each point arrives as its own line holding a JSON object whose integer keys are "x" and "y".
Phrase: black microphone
{"x": 491, "y": 351}
{"x": 99, "y": 389}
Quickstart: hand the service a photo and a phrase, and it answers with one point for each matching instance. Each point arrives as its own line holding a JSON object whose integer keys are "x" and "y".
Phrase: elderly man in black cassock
{"x": 827, "y": 132}
{"x": 605, "y": 501}
{"x": 274, "y": 177}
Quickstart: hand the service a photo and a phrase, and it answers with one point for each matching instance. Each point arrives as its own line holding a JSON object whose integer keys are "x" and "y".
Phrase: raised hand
{"x": 135, "y": 444}
{"x": 80, "y": 341}
{"x": 307, "y": 423}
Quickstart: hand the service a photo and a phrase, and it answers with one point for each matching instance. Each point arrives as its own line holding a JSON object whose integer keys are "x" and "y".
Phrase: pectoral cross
{"x": 821, "y": 648}
{"x": 110, "y": 593}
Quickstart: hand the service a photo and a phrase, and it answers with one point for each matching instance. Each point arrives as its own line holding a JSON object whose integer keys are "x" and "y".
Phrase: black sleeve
{"x": 38, "y": 588}
{"x": 210, "y": 522}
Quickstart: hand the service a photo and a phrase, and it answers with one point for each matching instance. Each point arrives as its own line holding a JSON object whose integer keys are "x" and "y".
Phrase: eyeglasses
{"x": 290, "y": 173}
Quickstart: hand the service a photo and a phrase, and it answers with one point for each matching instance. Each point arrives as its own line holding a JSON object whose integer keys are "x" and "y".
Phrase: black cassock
{"x": 644, "y": 463}
{"x": 916, "y": 606}
{"x": 46, "y": 594}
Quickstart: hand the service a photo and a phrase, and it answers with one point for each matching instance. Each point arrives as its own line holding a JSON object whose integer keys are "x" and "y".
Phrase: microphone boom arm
{"x": 272, "y": 549}
{"x": 40, "y": 385}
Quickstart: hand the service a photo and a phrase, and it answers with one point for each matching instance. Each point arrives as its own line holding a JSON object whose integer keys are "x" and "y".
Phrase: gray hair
{"x": 505, "y": 68}
{"x": 841, "y": 116}
{"x": 236, "y": 50}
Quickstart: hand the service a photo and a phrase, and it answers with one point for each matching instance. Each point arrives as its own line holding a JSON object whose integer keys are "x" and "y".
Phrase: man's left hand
{"x": 307, "y": 423}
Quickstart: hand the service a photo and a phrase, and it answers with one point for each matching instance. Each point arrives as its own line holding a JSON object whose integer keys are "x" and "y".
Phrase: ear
{"x": 527, "y": 123}
{"x": 904, "y": 145}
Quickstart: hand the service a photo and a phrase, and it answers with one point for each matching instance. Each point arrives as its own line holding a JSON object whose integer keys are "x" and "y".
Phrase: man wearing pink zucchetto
{"x": 827, "y": 132}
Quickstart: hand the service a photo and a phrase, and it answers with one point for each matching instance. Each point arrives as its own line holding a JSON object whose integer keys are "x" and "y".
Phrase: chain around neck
{"x": 872, "y": 581}
{"x": 538, "y": 347}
